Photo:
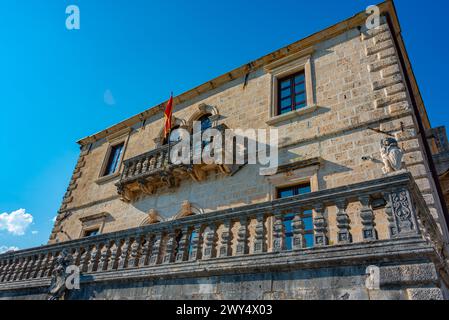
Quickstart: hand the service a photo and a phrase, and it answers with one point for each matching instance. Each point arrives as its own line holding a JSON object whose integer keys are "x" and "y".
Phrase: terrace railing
{"x": 240, "y": 232}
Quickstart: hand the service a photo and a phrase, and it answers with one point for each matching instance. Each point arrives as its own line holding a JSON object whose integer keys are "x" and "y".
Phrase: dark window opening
{"x": 292, "y": 93}
{"x": 306, "y": 216}
{"x": 114, "y": 159}
{"x": 91, "y": 233}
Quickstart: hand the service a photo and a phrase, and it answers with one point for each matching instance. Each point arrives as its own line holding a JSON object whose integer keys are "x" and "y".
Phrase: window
{"x": 91, "y": 233}
{"x": 292, "y": 93}
{"x": 205, "y": 122}
{"x": 306, "y": 215}
{"x": 114, "y": 159}
{"x": 175, "y": 135}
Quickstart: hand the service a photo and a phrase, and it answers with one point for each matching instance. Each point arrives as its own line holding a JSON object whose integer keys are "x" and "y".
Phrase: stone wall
{"x": 357, "y": 84}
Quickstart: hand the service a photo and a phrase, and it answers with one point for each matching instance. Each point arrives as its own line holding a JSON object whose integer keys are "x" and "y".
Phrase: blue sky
{"x": 57, "y": 86}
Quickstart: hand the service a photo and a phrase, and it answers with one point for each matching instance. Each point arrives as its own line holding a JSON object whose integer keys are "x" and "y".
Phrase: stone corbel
{"x": 145, "y": 187}
{"x": 126, "y": 195}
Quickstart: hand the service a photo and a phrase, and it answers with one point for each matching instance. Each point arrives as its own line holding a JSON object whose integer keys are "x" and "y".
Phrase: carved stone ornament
{"x": 59, "y": 275}
{"x": 391, "y": 155}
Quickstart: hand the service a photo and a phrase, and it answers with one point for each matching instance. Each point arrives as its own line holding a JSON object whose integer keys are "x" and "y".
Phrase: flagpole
{"x": 169, "y": 132}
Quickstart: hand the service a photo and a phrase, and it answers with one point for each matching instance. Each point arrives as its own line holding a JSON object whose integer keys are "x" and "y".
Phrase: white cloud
{"x": 4, "y": 249}
{"x": 108, "y": 98}
{"x": 16, "y": 222}
{"x": 34, "y": 232}
{"x": 54, "y": 219}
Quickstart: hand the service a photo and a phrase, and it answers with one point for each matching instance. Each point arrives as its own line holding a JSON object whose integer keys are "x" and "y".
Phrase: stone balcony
{"x": 147, "y": 172}
{"x": 250, "y": 240}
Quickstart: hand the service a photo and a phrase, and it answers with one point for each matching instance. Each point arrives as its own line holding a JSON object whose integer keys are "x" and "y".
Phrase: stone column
{"x": 278, "y": 232}
{"x": 182, "y": 247}
{"x": 299, "y": 241}
{"x": 242, "y": 235}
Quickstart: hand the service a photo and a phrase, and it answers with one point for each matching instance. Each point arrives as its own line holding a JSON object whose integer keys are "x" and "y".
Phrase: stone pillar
{"x": 155, "y": 251}
{"x": 194, "y": 243}
{"x": 123, "y": 254}
{"x": 170, "y": 248}
{"x": 143, "y": 261}
{"x": 209, "y": 240}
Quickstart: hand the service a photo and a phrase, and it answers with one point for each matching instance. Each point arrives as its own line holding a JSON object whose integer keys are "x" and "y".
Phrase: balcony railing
{"x": 240, "y": 232}
{"x": 147, "y": 172}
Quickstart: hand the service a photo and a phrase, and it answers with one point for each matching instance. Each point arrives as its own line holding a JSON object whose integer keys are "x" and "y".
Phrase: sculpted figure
{"x": 57, "y": 288}
{"x": 391, "y": 155}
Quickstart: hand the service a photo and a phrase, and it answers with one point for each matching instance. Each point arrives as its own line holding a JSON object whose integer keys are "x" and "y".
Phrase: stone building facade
{"x": 142, "y": 228}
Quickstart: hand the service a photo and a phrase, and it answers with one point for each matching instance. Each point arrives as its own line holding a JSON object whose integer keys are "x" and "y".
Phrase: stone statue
{"x": 391, "y": 155}
{"x": 58, "y": 288}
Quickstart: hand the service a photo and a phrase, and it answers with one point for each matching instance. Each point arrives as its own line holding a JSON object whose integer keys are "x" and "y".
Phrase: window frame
{"x": 295, "y": 63}
{"x": 293, "y": 94}
{"x": 113, "y": 140}
{"x": 108, "y": 159}
{"x": 289, "y": 218}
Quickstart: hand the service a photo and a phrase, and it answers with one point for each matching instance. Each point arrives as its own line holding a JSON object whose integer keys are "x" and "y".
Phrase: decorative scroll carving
{"x": 58, "y": 288}
{"x": 403, "y": 212}
{"x": 391, "y": 155}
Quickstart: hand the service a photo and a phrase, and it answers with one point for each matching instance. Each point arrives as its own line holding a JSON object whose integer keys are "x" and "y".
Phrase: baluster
{"x": 182, "y": 246}
{"x": 145, "y": 165}
{"x": 3, "y": 265}
{"x": 242, "y": 236}
{"x": 11, "y": 270}
{"x": 123, "y": 254}
{"x": 392, "y": 229}
{"x": 84, "y": 259}
{"x": 105, "y": 252}
{"x": 138, "y": 167}
{"x": 226, "y": 239}
{"x": 299, "y": 242}
{"x": 132, "y": 167}
{"x": 343, "y": 222}
{"x": 143, "y": 261}
{"x": 113, "y": 259}
{"x": 278, "y": 233}
{"x": 134, "y": 251}
{"x": 209, "y": 241}
{"x": 367, "y": 216}
{"x": 259, "y": 237}
{"x": 18, "y": 269}
{"x": 26, "y": 269}
{"x": 93, "y": 258}
{"x": 6, "y": 269}
{"x": 76, "y": 256}
{"x": 320, "y": 226}
{"x": 31, "y": 267}
{"x": 35, "y": 271}
{"x": 152, "y": 163}
{"x": 155, "y": 251}
{"x": 194, "y": 243}
{"x": 41, "y": 273}
{"x": 170, "y": 248}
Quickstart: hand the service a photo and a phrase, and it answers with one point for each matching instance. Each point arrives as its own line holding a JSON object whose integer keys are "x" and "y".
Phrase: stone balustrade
{"x": 147, "y": 172}
{"x": 253, "y": 230}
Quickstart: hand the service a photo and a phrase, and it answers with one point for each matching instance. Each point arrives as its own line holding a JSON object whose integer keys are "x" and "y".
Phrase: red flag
{"x": 168, "y": 115}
